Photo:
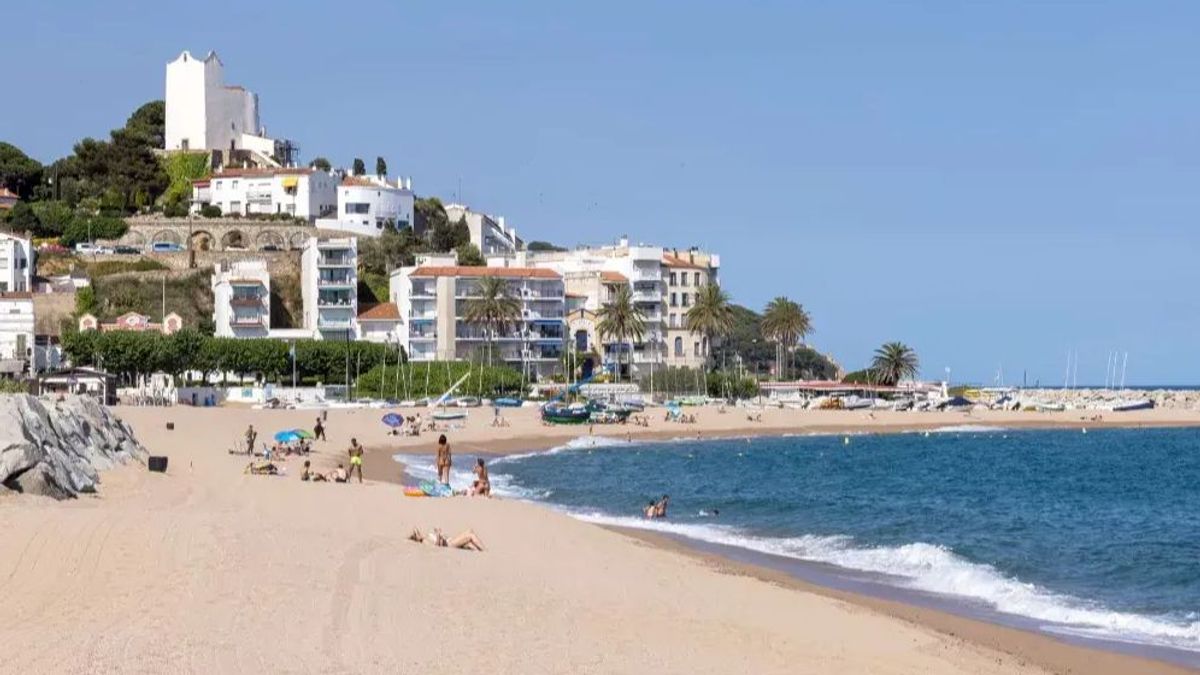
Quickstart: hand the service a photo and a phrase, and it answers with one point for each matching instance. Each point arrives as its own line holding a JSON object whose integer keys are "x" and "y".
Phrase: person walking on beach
{"x": 251, "y": 437}
{"x": 443, "y": 460}
{"x": 319, "y": 431}
{"x": 356, "y": 459}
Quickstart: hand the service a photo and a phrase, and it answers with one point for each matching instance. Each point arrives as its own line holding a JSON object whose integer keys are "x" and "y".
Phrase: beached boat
{"x": 559, "y": 413}
{"x": 446, "y": 415}
{"x": 1126, "y": 406}
{"x": 506, "y": 402}
{"x": 467, "y": 402}
{"x": 855, "y": 403}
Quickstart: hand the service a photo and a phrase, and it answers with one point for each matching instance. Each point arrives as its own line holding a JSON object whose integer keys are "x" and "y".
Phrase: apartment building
{"x": 329, "y": 287}
{"x": 242, "y": 299}
{"x": 16, "y": 333}
{"x": 489, "y": 233}
{"x": 366, "y": 205}
{"x": 305, "y": 193}
{"x": 684, "y": 274}
{"x": 16, "y": 264}
{"x": 432, "y": 298}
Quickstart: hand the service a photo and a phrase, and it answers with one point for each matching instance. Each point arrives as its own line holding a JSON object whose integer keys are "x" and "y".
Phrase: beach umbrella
{"x": 393, "y": 420}
{"x": 304, "y": 433}
{"x": 288, "y": 436}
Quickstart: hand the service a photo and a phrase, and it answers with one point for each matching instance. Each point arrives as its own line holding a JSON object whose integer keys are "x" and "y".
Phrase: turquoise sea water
{"x": 1090, "y": 534}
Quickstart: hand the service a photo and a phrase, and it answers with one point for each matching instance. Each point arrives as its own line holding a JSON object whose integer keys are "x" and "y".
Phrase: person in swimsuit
{"x": 443, "y": 460}
{"x": 483, "y": 486}
{"x": 319, "y": 431}
{"x": 251, "y": 436}
{"x": 660, "y": 509}
{"x": 650, "y": 509}
{"x": 356, "y": 459}
{"x": 468, "y": 540}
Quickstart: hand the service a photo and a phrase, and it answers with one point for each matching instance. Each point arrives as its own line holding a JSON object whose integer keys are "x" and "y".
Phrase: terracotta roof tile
{"x": 613, "y": 278}
{"x": 384, "y": 311}
{"x": 505, "y": 272}
{"x": 672, "y": 261}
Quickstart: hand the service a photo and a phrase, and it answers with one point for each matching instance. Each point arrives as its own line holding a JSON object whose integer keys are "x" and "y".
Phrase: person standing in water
{"x": 356, "y": 460}
{"x": 443, "y": 460}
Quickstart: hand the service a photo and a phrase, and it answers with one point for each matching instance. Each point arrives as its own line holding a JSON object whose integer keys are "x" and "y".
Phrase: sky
{"x": 993, "y": 184}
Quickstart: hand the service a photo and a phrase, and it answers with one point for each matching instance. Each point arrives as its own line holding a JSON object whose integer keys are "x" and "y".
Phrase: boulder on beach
{"x": 56, "y": 449}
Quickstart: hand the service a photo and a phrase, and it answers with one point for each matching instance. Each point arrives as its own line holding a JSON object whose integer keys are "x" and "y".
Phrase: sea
{"x": 1093, "y": 536}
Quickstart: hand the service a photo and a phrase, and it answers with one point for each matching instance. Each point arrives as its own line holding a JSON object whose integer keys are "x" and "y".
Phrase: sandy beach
{"x": 207, "y": 569}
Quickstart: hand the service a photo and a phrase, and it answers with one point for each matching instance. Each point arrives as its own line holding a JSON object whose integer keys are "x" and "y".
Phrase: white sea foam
{"x": 935, "y": 569}
{"x": 579, "y": 443}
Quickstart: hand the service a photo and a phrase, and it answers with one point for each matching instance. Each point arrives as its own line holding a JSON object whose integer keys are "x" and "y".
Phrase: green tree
{"x": 785, "y": 323}
{"x": 53, "y": 217}
{"x": 428, "y": 216}
{"x": 494, "y": 309}
{"x": 711, "y": 314}
{"x": 359, "y": 168}
{"x": 621, "y": 320}
{"x": 18, "y": 172}
{"x": 543, "y": 246}
{"x": 148, "y": 125}
{"x": 380, "y": 166}
{"x": 380, "y": 255}
{"x": 22, "y": 218}
{"x": 468, "y": 255}
{"x": 321, "y": 164}
{"x": 90, "y": 228}
{"x": 893, "y": 362}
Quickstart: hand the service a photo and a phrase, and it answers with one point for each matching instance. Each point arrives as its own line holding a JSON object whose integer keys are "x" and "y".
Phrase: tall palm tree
{"x": 494, "y": 309}
{"x": 893, "y": 362}
{"x": 620, "y": 319}
{"x": 785, "y": 322}
{"x": 711, "y": 315}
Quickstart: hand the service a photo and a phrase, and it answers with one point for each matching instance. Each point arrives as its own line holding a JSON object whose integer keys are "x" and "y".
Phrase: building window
{"x": 233, "y": 185}
{"x": 674, "y": 302}
{"x": 218, "y": 185}
{"x": 686, "y": 300}
{"x": 697, "y": 278}
{"x": 683, "y": 279}
{"x": 235, "y": 207}
{"x": 672, "y": 278}
{"x": 678, "y": 346}
{"x": 696, "y": 349}
{"x": 358, "y": 207}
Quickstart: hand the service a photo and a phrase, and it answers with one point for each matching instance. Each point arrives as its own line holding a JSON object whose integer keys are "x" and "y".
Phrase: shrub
{"x": 210, "y": 211}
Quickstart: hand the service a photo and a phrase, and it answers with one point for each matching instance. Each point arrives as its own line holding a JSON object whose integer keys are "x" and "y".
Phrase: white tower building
{"x": 203, "y": 113}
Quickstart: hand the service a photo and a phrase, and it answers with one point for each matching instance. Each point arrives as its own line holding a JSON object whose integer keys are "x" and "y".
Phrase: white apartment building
{"x": 684, "y": 274}
{"x": 593, "y": 274}
{"x": 204, "y": 113}
{"x": 432, "y": 298}
{"x": 329, "y": 286}
{"x": 16, "y": 263}
{"x": 368, "y": 204}
{"x": 242, "y": 299}
{"x": 16, "y": 333}
{"x": 488, "y": 233}
{"x": 303, "y": 193}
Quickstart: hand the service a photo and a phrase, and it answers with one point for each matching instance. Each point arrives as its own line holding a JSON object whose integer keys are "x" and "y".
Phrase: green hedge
{"x": 432, "y": 378}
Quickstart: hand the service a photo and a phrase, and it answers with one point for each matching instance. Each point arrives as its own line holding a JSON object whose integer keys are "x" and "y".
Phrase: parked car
{"x": 270, "y": 248}
{"x": 127, "y": 250}
{"x": 166, "y": 247}
{"x": 85, "y": 248}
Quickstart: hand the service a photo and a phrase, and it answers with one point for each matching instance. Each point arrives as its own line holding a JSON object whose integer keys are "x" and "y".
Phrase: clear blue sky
{"x": 992, "y": 183}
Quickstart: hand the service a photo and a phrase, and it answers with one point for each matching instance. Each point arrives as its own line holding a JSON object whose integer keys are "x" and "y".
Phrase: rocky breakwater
{"x": 1101, "y": 399}
{"x": 58, "y": 448}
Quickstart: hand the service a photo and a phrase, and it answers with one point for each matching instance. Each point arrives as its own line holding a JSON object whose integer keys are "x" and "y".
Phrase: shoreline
{"x": 1058, "y": 653}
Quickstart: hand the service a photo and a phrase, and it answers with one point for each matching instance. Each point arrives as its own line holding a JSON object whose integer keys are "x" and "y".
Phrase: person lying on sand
{"x": 261, "y": 469}
{"x": 339, "y": 474}
{"x": 467, "y": 541}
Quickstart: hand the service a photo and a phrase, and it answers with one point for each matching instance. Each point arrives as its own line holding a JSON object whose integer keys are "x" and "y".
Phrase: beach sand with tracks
{"x": 208, "y": 569}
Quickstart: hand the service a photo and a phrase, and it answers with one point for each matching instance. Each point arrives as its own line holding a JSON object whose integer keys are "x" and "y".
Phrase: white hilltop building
{"x": 204, "y": 113}
{"x": 489, "y": 233}
{"x": 367, "y": 204}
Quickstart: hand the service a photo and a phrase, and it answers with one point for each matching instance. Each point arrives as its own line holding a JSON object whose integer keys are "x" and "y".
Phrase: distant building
{"x": 685, "y": 274}
{"x": 8, "y": 199}
{"x": 133, "y": 321}
{"x": 329, "y": 286}
{"x": 380, "y": 323}
{"x": 17, "y": 354}
{"x": 16, "y": 263}
{"x": 204, "y": 113}
{"x": 302, "y": 193}
{"x": 488, "y": 233}
{"x": 432, "y": 299}
{"x": 242, "y": 299}
{"x": 81, "y": 380}
{"x": 368, "y": 204}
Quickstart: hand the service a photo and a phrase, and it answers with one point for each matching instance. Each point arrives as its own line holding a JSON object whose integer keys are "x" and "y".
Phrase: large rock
{"x": 57, "y": 449}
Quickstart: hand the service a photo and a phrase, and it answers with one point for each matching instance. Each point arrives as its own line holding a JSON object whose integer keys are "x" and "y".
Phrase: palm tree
{"x": 494, "y": 309}
{"x": 893, "y": 362}
{"x": 785, "y": 322}
{"x": 711, "y": 315}
{"x": 620, "y": 319}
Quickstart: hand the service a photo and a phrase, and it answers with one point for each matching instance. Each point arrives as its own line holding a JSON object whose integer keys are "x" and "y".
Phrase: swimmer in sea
{"x": 710, "y": 514}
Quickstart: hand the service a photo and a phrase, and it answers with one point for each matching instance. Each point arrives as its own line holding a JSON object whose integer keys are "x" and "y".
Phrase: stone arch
{"x": 234, "y": 239}
{"x": 201, "y": 240}
{"x": 135, "y": 238}
{"x": 166, "y": 237}
{"x": 269, "y": 238}
{"x": 297, "y": 240}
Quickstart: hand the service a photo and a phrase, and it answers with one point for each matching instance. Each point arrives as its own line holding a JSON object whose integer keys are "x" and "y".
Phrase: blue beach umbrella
{"x": 393, "y": 420}
{"x": 288, "y": 436}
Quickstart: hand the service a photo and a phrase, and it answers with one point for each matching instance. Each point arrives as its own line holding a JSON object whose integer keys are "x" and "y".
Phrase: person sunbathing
{"x": 467, "y": 540}
{"x": 261, "y": 469}
{"x": 339, "y": 474}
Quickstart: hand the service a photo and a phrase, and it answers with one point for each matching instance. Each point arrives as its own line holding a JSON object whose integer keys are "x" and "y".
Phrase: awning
{"x": 290, "y": 181}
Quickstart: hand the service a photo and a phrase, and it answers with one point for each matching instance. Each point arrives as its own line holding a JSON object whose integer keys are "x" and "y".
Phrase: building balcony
{"x": 335, "y": 261}
{"x": 335, "y": 282}
{"x": 422, "y": 316}
{"x": 246, "y": 301}
{"x": 334, "y": 324}
{"x": 247, "y": 321}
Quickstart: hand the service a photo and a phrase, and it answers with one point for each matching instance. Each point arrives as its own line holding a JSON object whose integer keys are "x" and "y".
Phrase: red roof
{"x": 384, "y": 311}
{"x": 505, "y": 272}
{"x": 613, "y": 278}
{"x": 5, "y": 193}
{"x": 672, "y": 261}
